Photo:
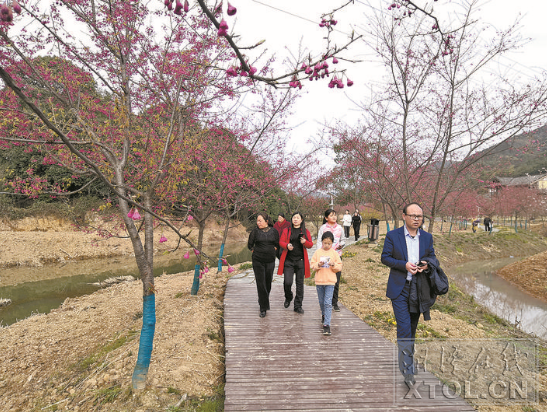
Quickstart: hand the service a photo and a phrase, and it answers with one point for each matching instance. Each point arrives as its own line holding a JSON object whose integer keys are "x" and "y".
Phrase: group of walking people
{"x": 290, "y": 241}
{"x": 415, "y": 276}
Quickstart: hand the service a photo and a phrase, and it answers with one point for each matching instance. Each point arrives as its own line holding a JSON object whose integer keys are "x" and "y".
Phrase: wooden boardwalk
{"x": 283, "y": 362}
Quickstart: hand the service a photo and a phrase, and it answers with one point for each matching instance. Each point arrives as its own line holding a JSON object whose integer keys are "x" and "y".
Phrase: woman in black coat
{"x": 263, "y": 243}
{"x": 356, "y": 222}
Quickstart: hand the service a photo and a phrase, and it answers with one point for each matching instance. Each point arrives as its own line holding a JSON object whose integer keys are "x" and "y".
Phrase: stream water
{"x": 45, "y": 288}
{"x": 501, "y": 297}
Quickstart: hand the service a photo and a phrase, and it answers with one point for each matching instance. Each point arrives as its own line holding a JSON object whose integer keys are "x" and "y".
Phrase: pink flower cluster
{"x": 223, "y": 27}
{"x": 295, "y": 83}
{"x": 234, "y": 71}
{"x": 135, "y": 215}
{"x": 393, "y": 6}
{"x": 327, "y": 23}
{"x": 179, "y": 7}
{"x": 6, "y": 11}
{"x": 163, "y": 239}
{"x": 320, "y": 71}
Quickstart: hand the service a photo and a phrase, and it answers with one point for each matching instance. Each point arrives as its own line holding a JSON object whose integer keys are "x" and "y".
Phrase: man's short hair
{"x": 410, "y": 204}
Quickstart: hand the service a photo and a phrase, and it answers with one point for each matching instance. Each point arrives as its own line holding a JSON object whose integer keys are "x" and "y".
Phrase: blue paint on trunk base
{"x": 146, "y": 341}
{"x": 220, "y": 257}
{"x": 195, "y": 285}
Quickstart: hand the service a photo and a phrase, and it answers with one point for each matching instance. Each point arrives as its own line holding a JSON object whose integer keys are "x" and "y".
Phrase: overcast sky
{"x": 287, "y": 24}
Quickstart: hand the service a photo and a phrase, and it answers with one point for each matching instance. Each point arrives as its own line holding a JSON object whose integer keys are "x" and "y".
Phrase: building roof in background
{"x": 519, "y": 181}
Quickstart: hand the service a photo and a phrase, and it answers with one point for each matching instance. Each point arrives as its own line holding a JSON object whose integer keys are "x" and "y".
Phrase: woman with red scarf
{"x": 295, "y": 241}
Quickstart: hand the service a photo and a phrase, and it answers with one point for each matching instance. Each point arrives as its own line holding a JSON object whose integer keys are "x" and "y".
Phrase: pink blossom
{"x": 350, "y": 83}
{"x": 334, "y": 22}
{"x": 243, "y": 73}
{"x": 252, "y": 70}
{"x": 136, "y": 215}
{"x": 186, "y": 255}
{"x": 230, "y": 269}
{"x": 190, "y": 217}
{"x": 130, "y": 214}
{"x": 186, "y": 6}
{"x": 178, "y": 8}
{"x": 231, "y": 10}
{"x": 16, "y": 7}
{"x": 334, "y": 60}
{"x": 224, "y": 261}
{"x": 163, "y": 239}
{"x": 232, "y": 71}
{"x": 196, "y": 252}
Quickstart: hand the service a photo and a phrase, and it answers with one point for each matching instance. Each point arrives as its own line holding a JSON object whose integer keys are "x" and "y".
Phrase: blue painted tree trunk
{"x": 220, "y": 257}
{"x": 146, "y": 342}
{"x": 387, "y": 225}
{"x": 195, "y": 284}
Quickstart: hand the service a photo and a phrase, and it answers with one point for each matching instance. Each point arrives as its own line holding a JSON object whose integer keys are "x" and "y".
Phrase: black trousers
{"x": 291, "y": 269}
{"x": 336, "y": 289}
{"x": 356, "y": 229}
{"x": 346, "y": 231}
{"x": 263, "y": 277}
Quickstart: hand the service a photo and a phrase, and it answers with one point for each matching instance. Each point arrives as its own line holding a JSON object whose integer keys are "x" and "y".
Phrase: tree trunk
{"x": 143, "y": 257}
{"x": 226, "y": 228}
{"x": 197, "y": 269}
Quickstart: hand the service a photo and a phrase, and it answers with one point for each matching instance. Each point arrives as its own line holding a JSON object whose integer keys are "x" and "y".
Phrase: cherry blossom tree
{"x": 124, "y": 100}
{"x": 436, "y": 117}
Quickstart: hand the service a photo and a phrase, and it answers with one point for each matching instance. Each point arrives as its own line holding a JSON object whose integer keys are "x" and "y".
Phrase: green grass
{"x": 108, "y": 395}
{"x": 178, "y": 295}
{"x": 101, "y": 351}
{"x": 214, "y": 403}
{"x": 245, "y": 266}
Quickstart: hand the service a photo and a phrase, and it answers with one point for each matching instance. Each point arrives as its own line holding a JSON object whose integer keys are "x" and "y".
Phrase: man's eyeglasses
{"x": 415, "y": 217}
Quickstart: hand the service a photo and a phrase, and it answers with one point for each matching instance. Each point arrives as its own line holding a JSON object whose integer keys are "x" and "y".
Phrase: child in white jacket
{"x": 327, "y": 263}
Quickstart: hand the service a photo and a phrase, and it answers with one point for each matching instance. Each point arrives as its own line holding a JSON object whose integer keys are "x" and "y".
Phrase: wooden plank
{"x": 283, "y": 362}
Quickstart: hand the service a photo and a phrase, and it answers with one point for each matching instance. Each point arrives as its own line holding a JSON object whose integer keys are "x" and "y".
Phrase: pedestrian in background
{"x": 356, "y": 222}
{"x": 280, "y": 226}
{"x": 263, "y": 244}
{"x": 346, "y": 222}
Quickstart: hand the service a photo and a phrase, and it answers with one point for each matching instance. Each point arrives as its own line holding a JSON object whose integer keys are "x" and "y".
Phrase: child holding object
{"x": 327, "y": 263}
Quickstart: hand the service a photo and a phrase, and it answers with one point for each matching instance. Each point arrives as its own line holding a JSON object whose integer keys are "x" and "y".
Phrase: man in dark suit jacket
{"x": 404, "y": 249}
